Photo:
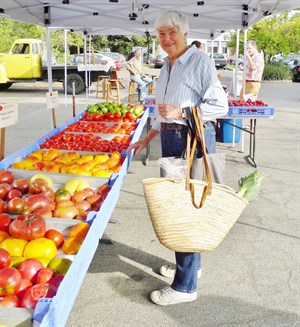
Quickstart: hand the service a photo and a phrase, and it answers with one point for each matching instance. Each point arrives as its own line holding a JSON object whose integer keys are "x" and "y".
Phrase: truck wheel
{"x": 5, "y": 86}
{"x": 79, "y": 84}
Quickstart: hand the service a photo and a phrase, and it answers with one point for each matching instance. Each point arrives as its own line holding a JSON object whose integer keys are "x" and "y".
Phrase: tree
{"x": 274, "y": 35}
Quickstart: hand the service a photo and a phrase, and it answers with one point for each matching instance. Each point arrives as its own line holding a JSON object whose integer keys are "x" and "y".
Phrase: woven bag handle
{"x": 190, "y": 156}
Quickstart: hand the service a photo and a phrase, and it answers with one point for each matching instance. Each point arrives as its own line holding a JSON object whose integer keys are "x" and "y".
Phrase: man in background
{"x": 254, "y": 70}
{"x": 135, "y": 69}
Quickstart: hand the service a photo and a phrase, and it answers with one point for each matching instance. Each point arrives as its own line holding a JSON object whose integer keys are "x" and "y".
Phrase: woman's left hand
{"x": 169, "y": 111}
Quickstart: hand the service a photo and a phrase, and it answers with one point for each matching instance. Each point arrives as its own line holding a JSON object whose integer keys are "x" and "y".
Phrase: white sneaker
{"x": 168, "y": 296}
{"x": 169, "y": 271}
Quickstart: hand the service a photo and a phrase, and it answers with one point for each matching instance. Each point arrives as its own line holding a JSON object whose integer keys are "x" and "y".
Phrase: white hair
{"x": 169, "y": 18}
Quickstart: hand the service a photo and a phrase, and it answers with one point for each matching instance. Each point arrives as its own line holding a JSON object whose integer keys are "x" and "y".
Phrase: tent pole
{"x": 245, "y": 50}
{"x": 237, "y": 50}
{"x": 85, "y": 75}
{"x": 66, "y": 72}
{"x": 49, "y": 70}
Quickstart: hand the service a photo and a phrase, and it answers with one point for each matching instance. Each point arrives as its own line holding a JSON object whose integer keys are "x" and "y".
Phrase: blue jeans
{"x": 173, "y": 143}
{"x": 143, "y": 82}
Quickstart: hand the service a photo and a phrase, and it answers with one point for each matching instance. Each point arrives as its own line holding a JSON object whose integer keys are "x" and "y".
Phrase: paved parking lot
{"x": 250, "y": 280}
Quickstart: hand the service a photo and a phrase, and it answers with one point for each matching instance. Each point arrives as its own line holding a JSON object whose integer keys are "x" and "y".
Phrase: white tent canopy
{"x": 207, "y": 18}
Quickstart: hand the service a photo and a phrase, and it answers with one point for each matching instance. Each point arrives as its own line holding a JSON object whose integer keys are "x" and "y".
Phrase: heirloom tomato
{"x": 21, "y": 184}
{"x": 40, "y": 248}
{"x": 25, "y": 284}
{"x": 33, "y": 294}
{"x": 10, "y": 281}
{"x": 14, "y": 246}
{"x": 62, "y": 194}
{"x": 10, "y": 301}
{"x": 28, "y": 227}
{"x": 15, "y": 206}
{"x": 56, "y": 236}
{"x": 29, "y": 269}
{"x": 4, "y": 222}
{"x": 6, "y": 176}
{"x": 44, "y": 275}
{"x": 5, "y": 259}
{"x": 4, "y": 189}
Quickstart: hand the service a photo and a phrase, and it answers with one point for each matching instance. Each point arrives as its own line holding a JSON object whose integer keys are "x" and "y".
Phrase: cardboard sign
{"x": 52, "y": 99}
{"x": 8, "y": 114}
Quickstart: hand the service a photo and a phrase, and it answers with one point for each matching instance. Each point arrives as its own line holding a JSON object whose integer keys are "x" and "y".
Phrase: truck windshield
{"x": 21, "y": 48}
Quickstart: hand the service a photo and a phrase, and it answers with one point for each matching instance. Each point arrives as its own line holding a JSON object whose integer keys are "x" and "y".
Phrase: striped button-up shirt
{"x": 185, "y": 83}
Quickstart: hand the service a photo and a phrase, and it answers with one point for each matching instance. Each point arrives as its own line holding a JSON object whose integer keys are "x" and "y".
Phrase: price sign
{"x": 52, "y": 99}
{"x": 8, "y": 114}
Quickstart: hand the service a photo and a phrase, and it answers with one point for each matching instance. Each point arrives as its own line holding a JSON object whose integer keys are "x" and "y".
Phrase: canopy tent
{"x": 207, "y": 18}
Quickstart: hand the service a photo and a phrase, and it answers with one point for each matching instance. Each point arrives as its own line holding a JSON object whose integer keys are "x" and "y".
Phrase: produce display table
{"x": 252, "y": 113}
{"x": 55, "y": 311}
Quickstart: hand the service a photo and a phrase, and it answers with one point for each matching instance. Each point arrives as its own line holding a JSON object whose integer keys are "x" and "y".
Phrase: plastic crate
{"x": 151, "y": 106}
{"x": 251, "y": 111}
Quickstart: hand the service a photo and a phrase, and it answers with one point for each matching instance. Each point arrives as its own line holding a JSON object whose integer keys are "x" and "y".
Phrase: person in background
{"x": 185, "y": 77}
{"x": 197, "y": 44}
{"x": 254, "y": 69}
{"x": 135, "y": 69}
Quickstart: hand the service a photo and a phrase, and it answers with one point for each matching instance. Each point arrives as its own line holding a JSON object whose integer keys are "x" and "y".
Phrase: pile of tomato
{"x": 22, "y": 196}
{"x": 30, "y": 267}
{"x": 247, "y": 103}
{"x": 86, "y": 142}
{"x": 109, "y": 117}
{"x": 93, "y": 127}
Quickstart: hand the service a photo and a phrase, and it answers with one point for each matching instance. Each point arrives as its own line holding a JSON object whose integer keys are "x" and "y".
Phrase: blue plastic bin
{"x": 227, "y": 130}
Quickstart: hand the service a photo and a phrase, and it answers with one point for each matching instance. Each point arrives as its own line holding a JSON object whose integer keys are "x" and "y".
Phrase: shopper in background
{"x": 197, "y": 44}
{"x": 184, "y": 79}
{"x": 254, "y": 69}
{"x": 135, "y": 69}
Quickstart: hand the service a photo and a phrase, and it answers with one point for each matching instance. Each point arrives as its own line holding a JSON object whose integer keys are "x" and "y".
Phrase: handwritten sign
{"x": 52, "y": 99}
{"x": 8, "y": 114}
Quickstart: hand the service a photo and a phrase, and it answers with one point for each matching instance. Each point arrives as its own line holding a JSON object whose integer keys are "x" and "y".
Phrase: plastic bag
{"x": 173, "y": 167}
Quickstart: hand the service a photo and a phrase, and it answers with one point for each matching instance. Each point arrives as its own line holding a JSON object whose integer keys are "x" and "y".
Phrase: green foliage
{"x": 116, "y": 43}
{"x": 275, "y": 34}
{"x": 276, "y": 71}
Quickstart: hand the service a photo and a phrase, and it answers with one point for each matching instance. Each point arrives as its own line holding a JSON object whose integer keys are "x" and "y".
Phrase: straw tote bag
{"x": 183, "y": 224}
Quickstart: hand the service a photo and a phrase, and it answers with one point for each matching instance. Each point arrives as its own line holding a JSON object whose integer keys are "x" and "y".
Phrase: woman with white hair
{"x": 185, "y": 77}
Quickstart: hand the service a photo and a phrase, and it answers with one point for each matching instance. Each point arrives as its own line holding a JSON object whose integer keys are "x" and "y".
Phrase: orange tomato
{"x": 3, "y": 235}
{"x": 71, "y": 245}
{"x": 79, "y": 230}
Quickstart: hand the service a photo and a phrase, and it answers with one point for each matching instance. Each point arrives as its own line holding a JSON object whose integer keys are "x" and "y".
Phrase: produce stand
{"x": 252, "y": 113}
{"x": 55, "y": 311}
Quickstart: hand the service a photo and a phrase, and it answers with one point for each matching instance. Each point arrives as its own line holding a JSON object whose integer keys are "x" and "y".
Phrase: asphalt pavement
{"x": 250, "y": 280}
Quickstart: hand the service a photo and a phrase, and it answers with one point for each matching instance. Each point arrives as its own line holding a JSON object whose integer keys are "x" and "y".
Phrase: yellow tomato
{"x": 40, "y": 247}
{"x": 16, "y": 261}
{"x": 14, "y": 246}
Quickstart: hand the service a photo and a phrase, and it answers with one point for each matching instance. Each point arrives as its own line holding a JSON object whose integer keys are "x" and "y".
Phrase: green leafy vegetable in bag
{"x": 249, "y": 186}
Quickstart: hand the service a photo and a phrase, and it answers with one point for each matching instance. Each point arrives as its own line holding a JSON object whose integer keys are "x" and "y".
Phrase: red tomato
{"x": 33, "y": 294}
{"x": 37, "y": 186}
{"x": 44, "y": 275}
{"x": 54, "y": 284}
{"x": 29, "y": 269}
{"x": 68, "y": 212}
{"x": 15, "y": 206}
{"x": 39, "y": 201}
{"x": 10, "y": 281}
{"x": 21, "y": 185}
{"x": 14, "y": 193}
{"x": 4, "y": 222}
{"x": 25, "y": 284}
{"x": 28, "y": 227}
{"x": 4, "y": 188}
{"x": 56, "y": 236}
{"x": 6, "y": 176}
{"x": 5, "y": 259}
{"x": 10, "y": 301}
{"x": 3, "y": 206}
